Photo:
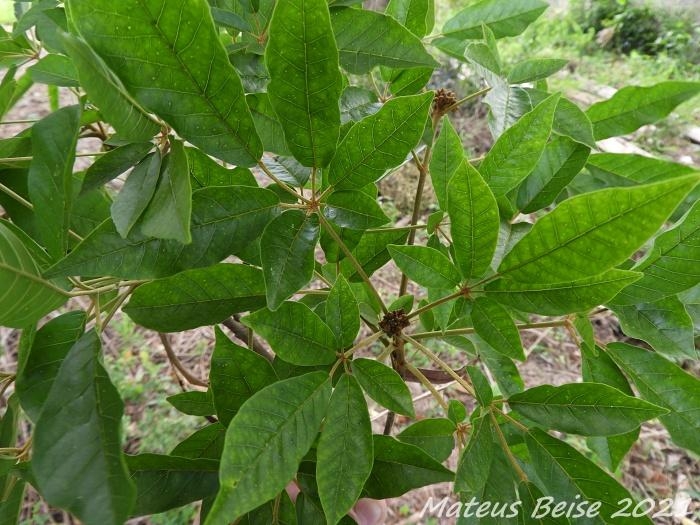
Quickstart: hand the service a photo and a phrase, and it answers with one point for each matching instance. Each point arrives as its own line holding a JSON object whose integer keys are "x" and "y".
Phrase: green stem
{"x": 463, "y": 331}
{"x": 358, "y": 267}
{"x": 364, "y": 342}
{"x": 280, "y": 183}
{"x": 504, "y": 445}
{"x": 467, "y": 99}
{"x": 447, "y": 368}
{"x": 427, "y": 384}
{"x": 435, "y": 304}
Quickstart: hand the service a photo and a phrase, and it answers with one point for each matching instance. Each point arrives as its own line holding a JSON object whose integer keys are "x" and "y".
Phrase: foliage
{"x": 281, "y": 248}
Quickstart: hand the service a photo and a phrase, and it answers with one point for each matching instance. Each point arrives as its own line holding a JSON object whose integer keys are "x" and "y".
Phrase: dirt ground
{"x": 654, "y": 468}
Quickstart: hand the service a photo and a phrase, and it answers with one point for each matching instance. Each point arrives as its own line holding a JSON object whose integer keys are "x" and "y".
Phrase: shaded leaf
{"x": 566, "y": 473}
{"x": 342, "y": 312}
{"x": 474, "y": 220}
{"x": 496, "y": 327}
{"x": 224, "y": 221}
{"x": 379, "y": 142}
{"x": 355, "y": 210}
{"x": 425, "y": 266}
{"x": 561, "y": 298}
{"x": 587, "y": 409}
{"x": 169, "y": 214}
{"x": 108, "y": 92}
{"x": 434, "y": 436}
{"x": 632, "y": 107}
{"x": 266, "y": 441}
{"x": 167, "y": 482}
{"x": 112, "y": 164}
{"x": 49, "y": 347}
{"x": 193, "y": 403}
{"x": 50, "y": 177}
{"x": 295, "y": 333}
{"x": 20, "y": 276}
{"x": 197, "y": 297}
{"x": 588, "y": 234}
{"x": 236, "y": 374}
{"x": 665, "y": 384}
{"x": 305, "y": 81}
{"x": 400, "y": 467}
{"x": 287, "y": 253}
{"x": 384, "y": 385}
{"x": 177, "y": 62}
{"x": 664, "y": 324}
{"x": 447, "y": 156}
{"x": 475, "y": 462}
{"x": 367, "y": 39}
{"x": 345, "y": 450}
{"x": 77, "y": 458}
{"x": 136, "y": 194}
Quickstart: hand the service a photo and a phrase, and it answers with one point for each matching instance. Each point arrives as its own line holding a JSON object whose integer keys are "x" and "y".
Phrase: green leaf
{"x": 342, "y": 313}
{"x": 295, "y": 333}
{"x": 503, "y": 369}
{"x": 372, "y": 253}
{"x": 354, "y": 209}
{"x": 345, "y": 450}
{"x": 636, "y": 168}
{"x": 561, "y": 298}
{"x": 51, "y": 344}
{"x": 77, "y": 458}
{"x": 367, "y": 39}
{"x": 305, "y": 80}
{"x": 587, "y": 409}
{"x": 496, "y": 327}
{"x": 379, "y": 142}
{"x": 236, "y": 374}
{"x": 456, "y": 411}
{"x": 565, "y": 473}
{"x": 207, "y": 442}
{"x": 205, "y": 171}
{"x": 169, "y": 214}
{"x": 425, "y": 266}
{"x": 531, "y": 496}
{"x": 267, "y": 123}
{"x": 569, "y": 119}
{"x": 418, "y": 16}
{"x": 562, "y": 160}
{"x": 266, "y": 441}
{"x": 167, "y": 482}
{"x": 400, "y": 467}
{"x": 534, "y": 69}
{"x": 598, "y": 367}
{"x": 107, "y": 91}
{"x": 20, "y": 277}
{"x": 224, "y": 221}
{"x": 357, "y": 103}
{"x": 481, "y": 384}
{"x": 384, "y": 385}
{"x": 137, "y": 192}
{"x": 50, "y": 178}
{"x": 197, "y": 297}
{"x": 434, "y": 436}
{"x": 671, "y": 264}
{"x": 664, "y": 324}
{"x": 287, "y": 253}
{"x": 504, "y": 18}
{"x": 193, "y": 403}
{"x": 448, "y": 155}
{"x": 516, "y": 153}
{"x": 56, "y": 70}
{"x": 589, "y": 234}
{"x": 633, "y": 107}
{"x": 663, "y": 383}
{"x": 176, "y": 62}
{"x": 475, "y": 462}
{"x": 474, "y": 220}
{"x": 112, "y": 164}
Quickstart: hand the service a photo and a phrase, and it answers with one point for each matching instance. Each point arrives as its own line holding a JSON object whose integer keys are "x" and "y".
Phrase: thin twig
{"x": 175, "y": 362}
{"x": 241, "y": 332}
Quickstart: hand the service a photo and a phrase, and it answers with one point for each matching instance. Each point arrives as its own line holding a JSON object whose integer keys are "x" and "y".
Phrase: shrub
{"x": 281, "y": 248}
